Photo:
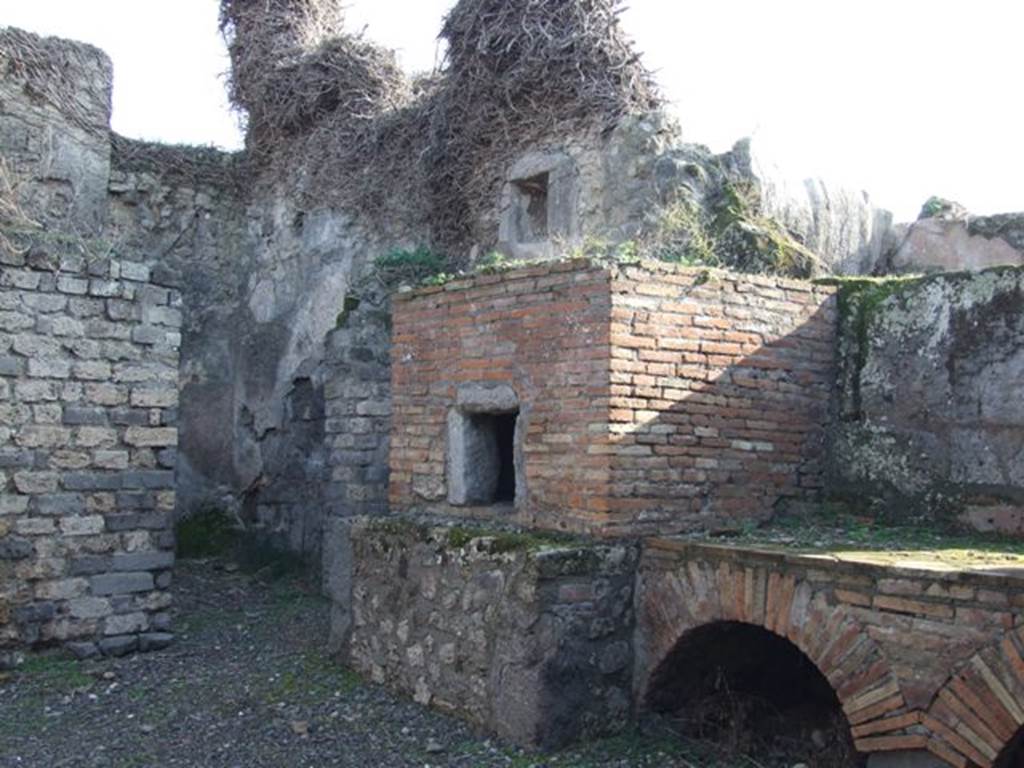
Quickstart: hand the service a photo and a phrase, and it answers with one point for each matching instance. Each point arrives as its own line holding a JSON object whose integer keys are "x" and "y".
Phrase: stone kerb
{"x": 89, "y": 354}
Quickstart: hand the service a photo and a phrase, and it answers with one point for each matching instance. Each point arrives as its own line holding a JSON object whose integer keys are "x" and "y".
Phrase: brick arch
{"x": 702, "y": 592}
{"x": 980, "y": 708}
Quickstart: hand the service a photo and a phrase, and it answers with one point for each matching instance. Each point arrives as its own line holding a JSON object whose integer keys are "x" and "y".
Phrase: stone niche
{"x": 539, "y": 206}
{"x": 607, "y": 399}
{"x": 484, "y": 457}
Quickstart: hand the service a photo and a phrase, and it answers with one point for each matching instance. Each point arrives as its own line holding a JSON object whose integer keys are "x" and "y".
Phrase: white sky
{"x": 903, "y": 98}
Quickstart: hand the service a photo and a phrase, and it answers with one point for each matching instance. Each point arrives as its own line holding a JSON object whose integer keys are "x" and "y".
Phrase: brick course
{"x": 942, "y": 671}
{"x": 653, "y": 399}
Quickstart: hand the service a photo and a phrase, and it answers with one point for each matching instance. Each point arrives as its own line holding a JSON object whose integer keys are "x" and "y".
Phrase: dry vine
{"x": 195, "y": 167}
{"x": 517, "y": 72}
{"x": 49, "y": 69}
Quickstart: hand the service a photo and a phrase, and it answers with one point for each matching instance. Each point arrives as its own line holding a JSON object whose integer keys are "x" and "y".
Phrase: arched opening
{"x": 1012, "y": 755}
{"x": 751, "y": 692}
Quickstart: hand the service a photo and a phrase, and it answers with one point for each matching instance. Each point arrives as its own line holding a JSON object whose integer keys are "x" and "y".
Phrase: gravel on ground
{"x": 247, "y": 684}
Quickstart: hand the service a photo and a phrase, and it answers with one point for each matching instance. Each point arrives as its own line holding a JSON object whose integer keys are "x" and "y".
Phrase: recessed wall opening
{"x": 499, "y": 475}
{"x": 745, "y": 691}
{"x": 532, "y": 201}
{"x": 482, "y": 452}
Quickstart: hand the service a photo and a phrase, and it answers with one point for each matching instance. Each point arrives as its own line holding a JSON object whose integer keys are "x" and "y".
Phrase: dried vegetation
{"x": 516, "y": 72}
{"x": 50, "y": 70}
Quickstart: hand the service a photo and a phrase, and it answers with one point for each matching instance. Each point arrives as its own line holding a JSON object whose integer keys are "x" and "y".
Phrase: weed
{"x": 314, "y": 677}
{"x": 411, "y": 266}
{"x": 350, "y": 305}
{"x": 54, "y": 673}
{"x": 680, "y": 235}
{"x": 209, "y": 532}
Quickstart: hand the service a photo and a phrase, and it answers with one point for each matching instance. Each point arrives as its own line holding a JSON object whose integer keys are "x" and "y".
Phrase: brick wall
{"x": 651, "y": 398}
{"x": 88, "y": 403}
{"x": 544, "y": 331}
{"x": 920, "y": 659}
{"x": 720, "y": 385}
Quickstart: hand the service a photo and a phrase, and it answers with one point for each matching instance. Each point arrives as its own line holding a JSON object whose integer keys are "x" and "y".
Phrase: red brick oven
{"x": 610, "y": 399}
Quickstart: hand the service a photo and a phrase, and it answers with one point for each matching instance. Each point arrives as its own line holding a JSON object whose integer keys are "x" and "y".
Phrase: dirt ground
{"x": 247, "y": 685}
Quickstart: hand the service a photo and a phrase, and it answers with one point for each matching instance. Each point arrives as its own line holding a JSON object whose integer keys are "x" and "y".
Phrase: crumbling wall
{"x": 946, "y": 237}
{"x": 264, "y": 281}
{"x": 929, "y": 423}
{"x": 89, "y": 348}
{"x": 180, "y": 210}
{"x": 527, "y": 637}
{"x": 54, "y": 124}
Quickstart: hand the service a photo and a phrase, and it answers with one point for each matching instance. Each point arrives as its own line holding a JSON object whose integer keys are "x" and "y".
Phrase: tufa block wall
{"x": 651, "y": 399}
{"x": 88, "y": 403}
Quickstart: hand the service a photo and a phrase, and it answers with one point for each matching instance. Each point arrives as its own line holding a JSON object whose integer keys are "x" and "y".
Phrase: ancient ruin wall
{"x": 264, "y": 281}
{"x": 720, "y": 389}
{"x": 541, "y": 333}
{"x": 88, "y": 398}
{"x": 920, "y": 659}
{"x": 649, "y": 398}
{"x": 528, "y": 638}
{"x": 930, "y": 423}
{"x": 263, "y": 278}
{"x": 54, "y": 125}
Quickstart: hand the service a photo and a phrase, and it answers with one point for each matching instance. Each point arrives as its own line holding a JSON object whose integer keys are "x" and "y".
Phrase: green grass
{"x": 54, "y": 673}
{"x": 208, "y": 532}
{"x": 313, "y": 677}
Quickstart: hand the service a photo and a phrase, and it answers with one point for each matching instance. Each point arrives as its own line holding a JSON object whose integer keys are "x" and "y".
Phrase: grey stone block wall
{"x": 88, "y": 408}
{"x": 357, "y": 393}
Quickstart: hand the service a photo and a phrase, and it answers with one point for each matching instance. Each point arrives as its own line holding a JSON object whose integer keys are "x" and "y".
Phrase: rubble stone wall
{"x": 55, "y": 98}
{"x": 528, "y": 638}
